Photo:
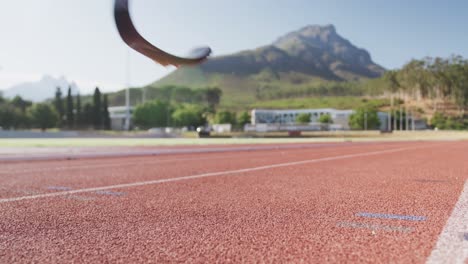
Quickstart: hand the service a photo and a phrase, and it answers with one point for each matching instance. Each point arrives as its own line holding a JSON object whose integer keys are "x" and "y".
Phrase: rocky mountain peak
{"x": 315, "y": 51}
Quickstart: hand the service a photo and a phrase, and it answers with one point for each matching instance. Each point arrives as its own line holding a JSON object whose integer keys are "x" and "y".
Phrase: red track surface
{"x": 292, "y": 212}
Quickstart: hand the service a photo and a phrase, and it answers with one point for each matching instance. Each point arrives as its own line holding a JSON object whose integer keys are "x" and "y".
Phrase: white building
{"x": 279, "y": 120}
{"x": 118, "y": 114}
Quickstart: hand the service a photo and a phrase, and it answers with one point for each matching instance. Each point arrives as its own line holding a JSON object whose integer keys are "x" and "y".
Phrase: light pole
{"x": 127, "y": 94}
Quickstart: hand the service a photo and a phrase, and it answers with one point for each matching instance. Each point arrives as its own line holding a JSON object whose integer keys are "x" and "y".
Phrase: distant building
{"x": 221, "y": 128}
{"x": 117, "y": 115}
{"x": 286, "y": 119}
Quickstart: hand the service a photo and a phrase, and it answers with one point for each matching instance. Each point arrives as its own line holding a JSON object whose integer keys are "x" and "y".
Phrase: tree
{"x": 10, "y": 116}
{"x": 365, "y": 117}
{"x": 165, "y": 93}
{"x": 438, "y": 121}
{"x": 442, "y": 122}
{"x": 97, "y": 112}
{"x": 243, "y": 119}
{"x": 105, "y": 114}
{"x": 189, "y": 116}
{"x": 326, "y": 119}
{"x": 69, "y": 113}
{"x": 459, "y": 74}
{"x": 225, "y": 117}
{"x": 88, "y": 116}
{"x": 182, "y": 95}
{"x": 43, "y": 116}
{"x": 303, "y": 118}
{"x": 212, "y": 97}
{"x": 391, "y": 81}
{"x": 79, "y": 114}
{"x": 152, "y": 114}
{"x": 20, "y": 103}
{"x": 13, "y": 113}
{"x": 58, "y": 104}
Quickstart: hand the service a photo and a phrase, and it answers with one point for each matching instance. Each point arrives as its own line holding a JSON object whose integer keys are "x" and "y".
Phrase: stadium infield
{"x": 379, "y": 202}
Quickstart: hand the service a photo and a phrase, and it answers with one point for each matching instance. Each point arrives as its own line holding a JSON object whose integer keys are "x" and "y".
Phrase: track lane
{"x": 70, "y": 191}
{"x": 60, "y": 154}
{"x": 45, "y": 178}
{"x": 286, "y": 214}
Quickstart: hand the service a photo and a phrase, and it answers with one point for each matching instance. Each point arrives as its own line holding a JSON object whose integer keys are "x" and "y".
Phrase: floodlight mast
{"x": 127, "y": 93}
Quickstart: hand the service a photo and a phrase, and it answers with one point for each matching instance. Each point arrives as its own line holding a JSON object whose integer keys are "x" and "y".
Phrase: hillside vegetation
{"x": 313, "y": 61}
{"x": 315, "y": 67}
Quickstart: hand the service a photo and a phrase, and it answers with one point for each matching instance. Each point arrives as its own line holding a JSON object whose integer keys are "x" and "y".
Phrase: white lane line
{"x": 136, "y": 163}
{"x": 205, "y": 175}
{"x": 452, "y": 246}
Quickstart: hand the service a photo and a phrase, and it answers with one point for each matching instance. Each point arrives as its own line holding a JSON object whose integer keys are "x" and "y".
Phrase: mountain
{"x": 301, "y": 58}
{"x": 42, "y": 89}
{"x": 321, "y": 49}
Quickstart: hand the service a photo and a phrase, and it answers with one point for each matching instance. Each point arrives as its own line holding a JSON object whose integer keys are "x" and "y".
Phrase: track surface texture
{"x": 401, "y": 202}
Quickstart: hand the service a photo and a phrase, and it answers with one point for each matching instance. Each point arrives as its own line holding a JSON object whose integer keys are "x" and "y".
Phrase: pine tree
{"x": 70, "y": 113}
{"x": 79, "y": 114}
{"x": 97, "y": 114}
{"x": 58, "y": 104}
{"x": 88, "y": 116}
{"x": 105, "y": 114}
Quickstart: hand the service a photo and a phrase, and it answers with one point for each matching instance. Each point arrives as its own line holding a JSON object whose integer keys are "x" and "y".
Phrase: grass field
{"x": 309, "y": 137}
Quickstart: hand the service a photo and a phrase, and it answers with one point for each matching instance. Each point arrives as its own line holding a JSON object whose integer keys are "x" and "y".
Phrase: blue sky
{"x": 78, "y": 39}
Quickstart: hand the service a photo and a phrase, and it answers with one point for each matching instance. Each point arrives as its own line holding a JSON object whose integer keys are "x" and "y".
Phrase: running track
{"x": 324, "y": 203}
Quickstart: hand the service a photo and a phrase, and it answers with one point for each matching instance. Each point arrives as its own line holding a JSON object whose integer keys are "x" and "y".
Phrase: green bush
{"x": 225, "y": 117}
{"x": 358, "y": 119}
{"x": 243, "y": 119}
{"x": 326, "y": 119}
{"x": 442, "y": 122}
{"x": 152, "y": 114}
{"x": 303, "y": 118}
{"x": 189, "y": 116}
